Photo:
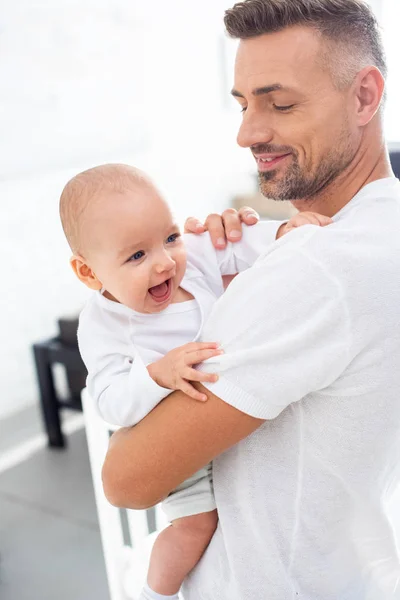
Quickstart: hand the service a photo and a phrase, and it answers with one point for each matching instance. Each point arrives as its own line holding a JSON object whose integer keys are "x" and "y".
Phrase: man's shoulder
{"x": 357, "y": 252}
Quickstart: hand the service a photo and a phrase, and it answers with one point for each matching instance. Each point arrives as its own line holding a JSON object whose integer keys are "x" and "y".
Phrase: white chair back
{"x": 126, "y": 560}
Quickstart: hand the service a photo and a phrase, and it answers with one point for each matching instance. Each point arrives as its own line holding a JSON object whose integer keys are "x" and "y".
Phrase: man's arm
{"x": 176, "y": 439}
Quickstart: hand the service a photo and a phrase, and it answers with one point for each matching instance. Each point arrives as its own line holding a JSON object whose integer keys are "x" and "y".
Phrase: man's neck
{"x": 364, "y": 169}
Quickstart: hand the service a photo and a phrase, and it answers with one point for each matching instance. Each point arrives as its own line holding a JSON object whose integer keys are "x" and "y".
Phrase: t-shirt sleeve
{"x": 284, "y": 327}
{"x": 118, "y": 380}
{"x": 235, "y": 257}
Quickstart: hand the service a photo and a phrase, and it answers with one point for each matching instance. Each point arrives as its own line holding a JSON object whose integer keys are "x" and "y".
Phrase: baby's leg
{"x": 178, "y": 549}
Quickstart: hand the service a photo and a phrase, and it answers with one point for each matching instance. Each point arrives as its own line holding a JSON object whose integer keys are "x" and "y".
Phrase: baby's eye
{"x": 172, "y": 238}
{"x": 137, "y": 256}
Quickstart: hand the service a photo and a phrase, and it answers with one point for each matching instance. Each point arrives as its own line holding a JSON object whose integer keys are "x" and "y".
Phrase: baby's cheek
{"x": 136, "y": 291}
{"x": 182, "y": 259}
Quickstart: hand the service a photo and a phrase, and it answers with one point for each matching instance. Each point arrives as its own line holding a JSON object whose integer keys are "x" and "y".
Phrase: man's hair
{"x": 85, "y": 186}
{"x": 349, "y": 27}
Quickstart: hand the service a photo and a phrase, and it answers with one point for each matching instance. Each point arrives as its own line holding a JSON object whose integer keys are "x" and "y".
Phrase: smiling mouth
{"x": 160, "y": 293}
{"x": 270, "y": 162}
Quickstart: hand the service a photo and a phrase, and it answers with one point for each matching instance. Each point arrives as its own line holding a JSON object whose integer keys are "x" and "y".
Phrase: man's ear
{"x": 85, "y": 273}
{"x": 370, "y": 87}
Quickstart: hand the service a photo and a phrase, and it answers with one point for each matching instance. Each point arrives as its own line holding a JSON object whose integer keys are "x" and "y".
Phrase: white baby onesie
{"x": 117, "y": 343}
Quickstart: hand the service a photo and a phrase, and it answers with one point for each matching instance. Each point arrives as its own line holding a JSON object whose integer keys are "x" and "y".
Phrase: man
{"x": 304, "y": 423}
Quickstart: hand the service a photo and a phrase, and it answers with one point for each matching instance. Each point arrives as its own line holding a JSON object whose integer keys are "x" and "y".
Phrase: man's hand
{"x": 227, "y": 226}
{"x": 303, "y": 218}
{"x": 175, "y": 370}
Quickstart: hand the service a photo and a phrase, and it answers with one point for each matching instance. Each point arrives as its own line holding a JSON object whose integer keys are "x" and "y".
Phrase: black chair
{"x": 63, "y": 350}
{"x": 395, "y": 160}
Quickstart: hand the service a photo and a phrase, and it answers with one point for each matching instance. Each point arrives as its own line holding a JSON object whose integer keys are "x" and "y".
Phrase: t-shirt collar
{"x": 375, "y": 189}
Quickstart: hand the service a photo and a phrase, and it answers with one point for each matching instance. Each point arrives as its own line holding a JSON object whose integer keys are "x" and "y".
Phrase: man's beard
{"x": 303, "y": 184}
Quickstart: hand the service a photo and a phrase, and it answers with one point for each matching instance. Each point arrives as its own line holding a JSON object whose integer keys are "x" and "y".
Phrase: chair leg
{"x": 109, "y": 516}
{"x": 48, "y": 397}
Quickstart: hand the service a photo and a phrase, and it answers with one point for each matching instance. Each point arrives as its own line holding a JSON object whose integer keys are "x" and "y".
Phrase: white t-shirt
{"x": 116, "y": 343}
{"x": 312, "y": 344}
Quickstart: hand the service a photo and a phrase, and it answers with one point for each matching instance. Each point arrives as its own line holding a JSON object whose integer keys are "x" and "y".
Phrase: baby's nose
{"x": 166, "y": 264}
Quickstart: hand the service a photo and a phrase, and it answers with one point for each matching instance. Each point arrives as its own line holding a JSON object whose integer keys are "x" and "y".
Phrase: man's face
{"x": 299, "y": 127}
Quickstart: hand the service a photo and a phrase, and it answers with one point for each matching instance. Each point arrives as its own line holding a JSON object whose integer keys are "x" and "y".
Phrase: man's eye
{"x": 172, "y": 238}
{"x": 283, "y": 108}
{"x": 137, "y": 255}
{"x": 244, "y": 108}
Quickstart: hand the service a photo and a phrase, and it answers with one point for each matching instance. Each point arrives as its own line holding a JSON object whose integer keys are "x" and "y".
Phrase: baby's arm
{"x": 239, "y": 256}
{"x": 118, "y": 380}
{"x": 124, "y": 388}
{"x": 256, "y": 239}
{"x": 303, "y": 218}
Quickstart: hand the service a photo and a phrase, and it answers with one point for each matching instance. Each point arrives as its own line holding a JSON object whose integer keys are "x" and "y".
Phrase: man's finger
{"x": 193, "y": 225}
{"x": 233, "y": 224}
{"x": 215, "y": 227}
{"x": 248, "y": 215}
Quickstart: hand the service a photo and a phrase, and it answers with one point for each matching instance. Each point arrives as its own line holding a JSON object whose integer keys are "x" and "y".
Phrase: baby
{"x": 138, "y": 332}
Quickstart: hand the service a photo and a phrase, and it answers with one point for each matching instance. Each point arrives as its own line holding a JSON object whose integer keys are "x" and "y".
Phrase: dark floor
{"x": 16, "y": 429}
{"x": 49, "y": 539}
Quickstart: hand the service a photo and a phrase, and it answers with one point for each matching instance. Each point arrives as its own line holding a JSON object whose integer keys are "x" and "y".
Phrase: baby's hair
{"x": 81, "y": 189}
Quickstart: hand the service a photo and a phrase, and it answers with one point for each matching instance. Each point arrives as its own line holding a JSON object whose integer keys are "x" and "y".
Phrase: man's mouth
{"x": 161, "y": 292}
{"x": 268, "y": 162}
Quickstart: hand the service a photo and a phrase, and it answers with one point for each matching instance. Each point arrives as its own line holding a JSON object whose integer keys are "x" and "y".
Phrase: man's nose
{"x": 255, "y": 129}
{"x": 163, "y": 262}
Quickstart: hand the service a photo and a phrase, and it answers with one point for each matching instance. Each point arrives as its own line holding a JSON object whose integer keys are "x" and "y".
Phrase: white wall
{"x": 90, "y": 81}
{"x": 84, "y": 82}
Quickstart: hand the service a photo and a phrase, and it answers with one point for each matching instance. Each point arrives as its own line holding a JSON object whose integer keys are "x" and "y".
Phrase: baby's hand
{"x": 303, "y": 218}
{"x": 175, "y": 370}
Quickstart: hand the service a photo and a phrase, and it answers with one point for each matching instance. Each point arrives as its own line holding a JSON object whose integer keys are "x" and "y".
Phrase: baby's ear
{"x": 84, "y": 273}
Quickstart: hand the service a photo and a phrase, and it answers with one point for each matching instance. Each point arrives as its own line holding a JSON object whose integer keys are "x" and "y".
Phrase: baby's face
{"x": 136, "y": 249}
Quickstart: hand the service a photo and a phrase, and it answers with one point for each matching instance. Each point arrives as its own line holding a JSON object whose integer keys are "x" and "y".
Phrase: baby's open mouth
{"x": 161, "y": 292}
